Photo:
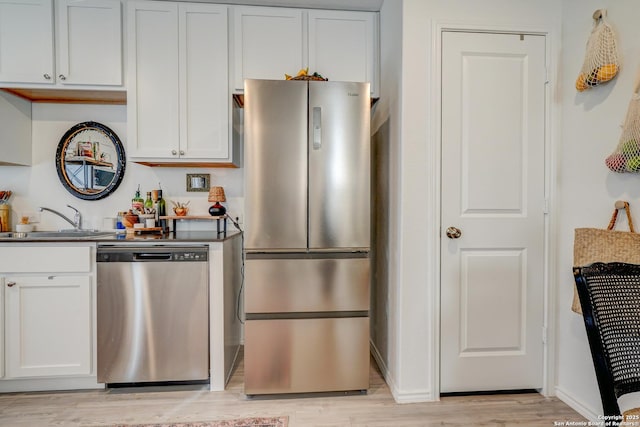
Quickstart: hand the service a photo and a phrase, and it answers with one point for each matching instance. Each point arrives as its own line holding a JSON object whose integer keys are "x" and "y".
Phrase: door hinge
{"x": 546, "y": 207}
{"x": 546, "y": 76}
{"x": 544, "y": 335}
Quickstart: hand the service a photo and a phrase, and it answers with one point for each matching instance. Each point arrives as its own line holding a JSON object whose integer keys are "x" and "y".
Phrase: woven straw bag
{"x": 596, "y": 245}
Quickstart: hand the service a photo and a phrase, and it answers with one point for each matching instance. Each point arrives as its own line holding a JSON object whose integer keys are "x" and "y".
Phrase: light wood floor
{"x": 376, "y": 408}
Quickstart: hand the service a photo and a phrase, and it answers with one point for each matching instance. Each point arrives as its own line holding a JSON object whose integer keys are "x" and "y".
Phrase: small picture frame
{"x": 198, "y": 182}
{"x": 85, "y": 149}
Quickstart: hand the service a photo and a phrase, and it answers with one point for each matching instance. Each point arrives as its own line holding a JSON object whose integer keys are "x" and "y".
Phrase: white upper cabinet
{"x": 26, "y": 41}
{"x": 268, "y": 42}
{"x": 89, "y": 42}
{"x": 271, "y": 42}
{"x": 81, "y": 46}
{"x": 152, "y": 82}
{"x": 204, "y": 76}
{"x": 343, "y": 46}
{"x": 15, "y": 122}
{"x": 177, "y": 85}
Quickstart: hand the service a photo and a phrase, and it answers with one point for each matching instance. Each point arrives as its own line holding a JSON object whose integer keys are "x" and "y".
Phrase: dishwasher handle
{"x": 146, "y": 256}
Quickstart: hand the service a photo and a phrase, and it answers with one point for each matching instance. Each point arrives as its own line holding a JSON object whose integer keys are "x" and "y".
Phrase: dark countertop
{"x": 177, "y": 237}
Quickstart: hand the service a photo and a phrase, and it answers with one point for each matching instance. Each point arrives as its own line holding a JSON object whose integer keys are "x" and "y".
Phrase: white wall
{"x": 39, "y": 185}
{"x": 586, "y": 189}
{"x": 386, "y": 145}
{"x": 585, "y": 129}
{"x": 413, "y": 318}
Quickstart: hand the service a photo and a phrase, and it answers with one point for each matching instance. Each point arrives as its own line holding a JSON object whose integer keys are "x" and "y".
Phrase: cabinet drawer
{"x": 306, "y": 285}
{"x": 45, "y": 259}
{"x": 306, "y": 355}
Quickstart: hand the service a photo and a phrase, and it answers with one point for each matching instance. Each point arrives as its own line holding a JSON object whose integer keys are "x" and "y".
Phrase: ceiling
{"x": 366, "y": 5}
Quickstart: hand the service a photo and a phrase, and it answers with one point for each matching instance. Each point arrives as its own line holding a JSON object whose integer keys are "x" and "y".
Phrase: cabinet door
{"x": 152, "y": 80}
{"x": 89, "y": 42}
{"x": 268, "y": 42}
{"x": 343, "y": 46}
{"x": 204, "y": 96}
{"x": 48, "y": 326}
{"x": 2, "y": 327}
{"x": 26, "y": 41}
{"x": 15, "y": 122}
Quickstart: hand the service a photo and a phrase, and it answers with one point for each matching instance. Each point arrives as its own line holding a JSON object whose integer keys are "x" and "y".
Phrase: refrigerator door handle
{"x": 317, "y": 128}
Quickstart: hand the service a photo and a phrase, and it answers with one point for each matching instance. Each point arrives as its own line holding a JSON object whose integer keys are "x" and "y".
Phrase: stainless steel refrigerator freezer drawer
{"x": 306, "y": 355}
{"x": 306, "y": 285}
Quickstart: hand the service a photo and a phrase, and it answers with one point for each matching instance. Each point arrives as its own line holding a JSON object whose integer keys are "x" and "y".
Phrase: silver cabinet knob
{"x": 182, "y": 152}
{"x": 11, "y": 284}
{"x": 46, "y": 76}
{"x": 453, "y": 232}
{"x": 174, "y": 152}
{"x": 62, "y": 77}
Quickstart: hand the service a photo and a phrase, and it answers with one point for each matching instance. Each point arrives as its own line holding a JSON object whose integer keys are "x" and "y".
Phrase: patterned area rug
{"x": 242, "y": 422}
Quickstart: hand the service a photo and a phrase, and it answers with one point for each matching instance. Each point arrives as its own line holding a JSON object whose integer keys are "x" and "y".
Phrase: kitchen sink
{"x": 54, "y": 235}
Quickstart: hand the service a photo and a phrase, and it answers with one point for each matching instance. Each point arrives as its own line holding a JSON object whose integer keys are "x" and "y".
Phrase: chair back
{"x": 610, "y": 299}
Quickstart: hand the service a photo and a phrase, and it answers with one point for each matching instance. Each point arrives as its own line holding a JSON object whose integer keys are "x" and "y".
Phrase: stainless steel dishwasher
{"x": 153, "y": 314}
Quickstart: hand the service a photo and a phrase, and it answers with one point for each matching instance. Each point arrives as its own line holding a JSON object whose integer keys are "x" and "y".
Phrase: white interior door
{"x": 493, "y": 127}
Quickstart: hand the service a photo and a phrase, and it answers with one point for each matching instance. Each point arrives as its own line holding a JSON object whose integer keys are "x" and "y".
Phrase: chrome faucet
{"x": 77, "y": 218}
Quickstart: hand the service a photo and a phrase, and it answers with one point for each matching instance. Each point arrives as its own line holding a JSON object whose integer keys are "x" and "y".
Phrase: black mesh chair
{"x": 610, "y": 299}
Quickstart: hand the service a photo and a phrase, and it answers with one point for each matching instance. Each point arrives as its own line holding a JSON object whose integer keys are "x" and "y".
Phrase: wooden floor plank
{"x": 375, "y": 409}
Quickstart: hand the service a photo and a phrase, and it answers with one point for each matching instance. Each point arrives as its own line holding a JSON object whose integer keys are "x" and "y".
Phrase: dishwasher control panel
{"x": 152, "y": 254}
{"x": 190, "y": 256}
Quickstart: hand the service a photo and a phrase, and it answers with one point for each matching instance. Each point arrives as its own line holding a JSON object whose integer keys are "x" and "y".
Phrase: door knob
{"x": 62, "y": 77}
{"x": 11, "y": 284}
{"x": 453, "y": 232}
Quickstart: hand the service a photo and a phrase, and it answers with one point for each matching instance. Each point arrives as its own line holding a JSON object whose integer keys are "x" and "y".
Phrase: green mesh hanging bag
{"x": 626, "y": 157}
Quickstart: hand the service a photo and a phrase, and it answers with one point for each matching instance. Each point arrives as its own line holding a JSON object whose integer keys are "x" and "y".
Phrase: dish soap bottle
{"x": 137, "y": 204}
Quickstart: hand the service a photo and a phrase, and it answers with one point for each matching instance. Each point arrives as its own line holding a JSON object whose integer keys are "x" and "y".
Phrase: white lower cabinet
{"x": 1, "y": 328}
{"x": 48, "y": 326}
{"x": 47, "y": 317}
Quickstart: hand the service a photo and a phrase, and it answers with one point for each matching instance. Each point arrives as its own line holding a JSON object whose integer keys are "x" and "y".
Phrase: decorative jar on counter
{"x": 5, "y": 217}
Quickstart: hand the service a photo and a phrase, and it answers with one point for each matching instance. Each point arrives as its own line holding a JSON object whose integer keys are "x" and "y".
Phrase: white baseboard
{"x": 381, "y": 364}
{"x": 589, "y": 413}
{"x": 399, "y": 396}
{"x": 50, "y": 384}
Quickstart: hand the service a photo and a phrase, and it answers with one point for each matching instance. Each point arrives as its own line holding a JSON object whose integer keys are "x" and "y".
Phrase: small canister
{"x": 119, "y": 224}
{"x": 5, "y": 217}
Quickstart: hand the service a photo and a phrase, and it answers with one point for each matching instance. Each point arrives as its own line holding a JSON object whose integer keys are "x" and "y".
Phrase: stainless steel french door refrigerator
{"x": 307, "y": 236}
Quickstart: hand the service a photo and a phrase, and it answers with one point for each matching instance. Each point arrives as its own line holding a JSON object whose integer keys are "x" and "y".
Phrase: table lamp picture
{"x": 216, "y": 195}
